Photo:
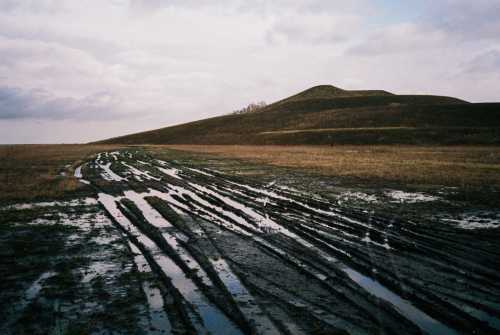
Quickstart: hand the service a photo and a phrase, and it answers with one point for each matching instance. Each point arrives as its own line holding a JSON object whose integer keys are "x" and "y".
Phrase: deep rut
{"x": 224, "y": 247}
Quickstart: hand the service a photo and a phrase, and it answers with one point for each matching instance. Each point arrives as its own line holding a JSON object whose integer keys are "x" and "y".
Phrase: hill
{"x": 330, "y": 115}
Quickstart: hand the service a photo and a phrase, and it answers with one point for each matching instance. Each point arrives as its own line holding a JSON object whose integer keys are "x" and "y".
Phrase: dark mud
{"x": 68, "y": 271}
{"x": 183, "y": 246}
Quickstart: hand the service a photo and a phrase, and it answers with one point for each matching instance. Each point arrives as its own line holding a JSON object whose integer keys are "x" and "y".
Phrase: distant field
{"x": 35, "y": 171}
{"x": 460, "y": 166}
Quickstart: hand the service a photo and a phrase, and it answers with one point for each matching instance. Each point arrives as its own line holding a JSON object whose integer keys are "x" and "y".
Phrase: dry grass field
{"x": 29, "y": 172}
{"x": 459, "y": 166}
{"x": 34, "y": 171}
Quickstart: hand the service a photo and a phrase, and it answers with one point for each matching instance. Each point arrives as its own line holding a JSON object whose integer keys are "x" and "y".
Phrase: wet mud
{"x": 173, "y": 246}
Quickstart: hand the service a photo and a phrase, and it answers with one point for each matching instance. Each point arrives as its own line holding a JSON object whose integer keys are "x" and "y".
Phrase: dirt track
{"x": 224, "y": 255}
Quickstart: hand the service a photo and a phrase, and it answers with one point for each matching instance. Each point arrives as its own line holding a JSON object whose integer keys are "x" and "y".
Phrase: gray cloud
{"x": 36, "y": 6}
{"x": 486, "y": 63}
{"x": 16, "y": 103}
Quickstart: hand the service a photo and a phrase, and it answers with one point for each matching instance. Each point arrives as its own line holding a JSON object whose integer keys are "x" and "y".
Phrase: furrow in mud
{"x": 178, "y": 246}
{"x": 203, "y": 315}
{"x": 231, "y": 283}
{"x": 254, "y": 316}
{"x": 404, "y": 307}
{"x": 158, "y": 319}
{"x": 384, "y": 245}
{"x": 300, "y": 263}
{"x": 386, "y": 270}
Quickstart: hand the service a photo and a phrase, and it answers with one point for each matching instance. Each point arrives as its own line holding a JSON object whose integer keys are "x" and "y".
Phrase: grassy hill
{"x": 330, "y": 115}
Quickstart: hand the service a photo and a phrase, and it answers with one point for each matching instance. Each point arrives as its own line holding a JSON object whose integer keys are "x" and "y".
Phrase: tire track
{"x": 342, "y": 249}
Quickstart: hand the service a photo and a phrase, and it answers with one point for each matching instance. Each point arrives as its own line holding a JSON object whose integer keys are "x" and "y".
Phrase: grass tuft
{"x": 29, "y": 172}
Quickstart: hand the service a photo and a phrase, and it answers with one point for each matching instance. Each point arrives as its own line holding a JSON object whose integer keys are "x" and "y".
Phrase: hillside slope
{"x": 330, "y": 115}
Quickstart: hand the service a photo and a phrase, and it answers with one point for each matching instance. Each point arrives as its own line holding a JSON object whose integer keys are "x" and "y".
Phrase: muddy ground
{"x": 178, "y": 244}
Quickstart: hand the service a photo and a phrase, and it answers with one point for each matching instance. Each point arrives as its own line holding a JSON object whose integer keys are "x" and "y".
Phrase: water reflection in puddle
{"x": 422, "y": 320}
{"x": 212, "y": 318}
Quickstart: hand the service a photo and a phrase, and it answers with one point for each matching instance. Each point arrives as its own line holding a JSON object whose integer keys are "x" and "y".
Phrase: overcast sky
{"x": 78, "y": 71}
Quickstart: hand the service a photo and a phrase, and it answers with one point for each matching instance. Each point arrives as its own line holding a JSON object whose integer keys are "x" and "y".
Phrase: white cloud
{"x": 313, "y": 29}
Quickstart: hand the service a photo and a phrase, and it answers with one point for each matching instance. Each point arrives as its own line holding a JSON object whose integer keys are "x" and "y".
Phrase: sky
{"x": 80, "y": 71}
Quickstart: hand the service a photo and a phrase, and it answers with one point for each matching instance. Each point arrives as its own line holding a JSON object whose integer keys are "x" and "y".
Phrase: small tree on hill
{"x": 251, "y": 108}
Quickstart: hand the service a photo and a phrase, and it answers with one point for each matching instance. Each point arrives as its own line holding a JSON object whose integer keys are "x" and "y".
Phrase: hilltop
{"x": 330, "y": 115}
{"x": 330, "y": 92}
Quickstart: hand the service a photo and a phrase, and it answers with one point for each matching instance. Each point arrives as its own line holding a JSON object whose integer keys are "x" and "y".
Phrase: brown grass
{"x": 461, "y": 166}
{"x": 33, "y": 171}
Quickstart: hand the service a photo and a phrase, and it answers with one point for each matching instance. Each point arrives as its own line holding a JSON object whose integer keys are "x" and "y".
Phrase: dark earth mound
{"x": 330, "y": 115}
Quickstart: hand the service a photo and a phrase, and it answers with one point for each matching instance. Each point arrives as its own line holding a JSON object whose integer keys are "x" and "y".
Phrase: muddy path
{"x": 223, "y": 254}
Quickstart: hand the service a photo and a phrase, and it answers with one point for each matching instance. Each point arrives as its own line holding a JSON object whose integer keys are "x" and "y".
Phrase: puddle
{"x": 29, "y": 295}
{"x": 72, "y": 203}
{"x": 33, "y": 291}
{"x": 357, "y": 196}
{"x": 160, "y": 324}
{"x": 170, "y": 172}
{"x": 368, "y": 240}
{"x": 108, "y": 174}
{"x": 151, "y": 215}
{"x": 212, "y": 318}
{"x": 201, "y": 172}
{"x": 409, "y": 198}
{"x": 157, "y": 220}
{"x": 243, "y": 298}
{"x": 96, "y": 269}
{"x": 138, "y": 173}
{"x": 422, "y": 320}
{"x": 217, "y": 209}
{"x": 491, "y": 320}
{"x": 78, "y": 172}
{"x": 475, "y": 220}
{"x": 264, "y": 223}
